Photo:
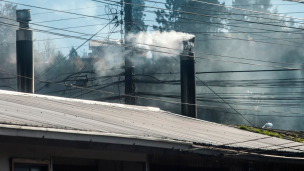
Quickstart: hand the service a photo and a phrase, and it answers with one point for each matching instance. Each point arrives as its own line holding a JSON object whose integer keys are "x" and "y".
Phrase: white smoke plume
{"x": 168, "y": 42}
{"x": 146, "y": 44}
{"x": 110, "y": 54}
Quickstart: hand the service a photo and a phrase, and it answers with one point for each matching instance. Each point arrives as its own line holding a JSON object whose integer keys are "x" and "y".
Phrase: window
{"x": 30, "y": 165}
{"x": 251, "y": 166}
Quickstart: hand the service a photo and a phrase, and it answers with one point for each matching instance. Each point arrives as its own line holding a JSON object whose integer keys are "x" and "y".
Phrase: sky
{"x": 93, "y": 25}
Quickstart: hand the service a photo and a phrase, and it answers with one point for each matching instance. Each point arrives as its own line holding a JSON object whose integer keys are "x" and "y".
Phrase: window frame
{"x": 30, "y": 161}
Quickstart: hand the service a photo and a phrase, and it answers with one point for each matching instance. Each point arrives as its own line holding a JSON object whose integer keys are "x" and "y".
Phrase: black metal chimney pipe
{"x": 129, "y": 63}
{"x": 25, "y": 53}
{"x": 188, "y": 85}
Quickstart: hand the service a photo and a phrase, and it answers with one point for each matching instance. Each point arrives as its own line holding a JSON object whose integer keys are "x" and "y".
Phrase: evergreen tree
{"x": 138, "y": 16}
{"x": 73, "y": 53}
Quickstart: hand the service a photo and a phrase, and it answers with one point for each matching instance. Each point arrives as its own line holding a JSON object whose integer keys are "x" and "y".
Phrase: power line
{"x": 42, "y": 51}
{"x": 271, "y": 83}
{"x": 59, "y": 34}
{"x": 109, "y": 34}
{"x": 218, "y": 36}
{"x": 186, "y": 12}
{"x": 210, "y": 23}
{"x": 245, "y": 71}
{"x": 61, "y": 19}
{"x": 248, "y": 10}
{"x": 229, "y": 13}
{"x": 222, "y": 99}
{"x": 56, "y": 38}
{"x": 213, "y": 72}
{"x": 173, "y": 102}
{"x": 199, "y": 14}
{"x": 232, "y": 38}
{"x": 225, "y": 101}
{"x": 131, "y": 4}
{"x": 245, "y": 101}
{"x": 225, "y": 56}
{"x": 48, "y": 69}
{"x": 201, "y": 40}
{"x": 54, "y": 10}
{"x": 191, "y": 22}
{"x": 214, "y": 23}
{"x": 54, "y": 28}
{"x": 222, "y": 56}
{"x": 91, "y": 58}
{"x": 299, "y": 1}
{"x": 69, "y": 10}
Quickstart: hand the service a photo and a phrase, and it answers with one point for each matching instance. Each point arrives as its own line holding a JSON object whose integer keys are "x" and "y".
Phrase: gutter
{"x": 240, "y": 153}
{"x": 88, "y": 136}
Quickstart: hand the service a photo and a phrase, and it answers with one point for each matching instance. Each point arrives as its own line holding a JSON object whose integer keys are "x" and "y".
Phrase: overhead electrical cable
{"x": 150, "y": 11}
{"x": 173, "y": 102}
{"x": 69, "y": 10}
{"x": 210, "y": 23}
{"x": 298, "y": 1}
{"x": 217, "y": 72}
{"x": 48, "y": 69}
{"x": 104, "y": 2}
{"x": 222, "y": 99}
{"x": 200, "y": 14}
{"x": 228, "y": 37}
{"x": 226, "y": 12}
{"x": 57, "y": 38}
{"x": 238, "y": 39}
{"x": 226, "y": 56}
{"x": 99, "y": 47}
{"x": 55, "y": 28}
{"x": 54, "y": 10}
{"x": 64, "y": 35}
{"x": 231, "y": 25}
{"x": 63, "y": 19}
{"x": 282, "y": 16}
{"x": 245, "y": 71}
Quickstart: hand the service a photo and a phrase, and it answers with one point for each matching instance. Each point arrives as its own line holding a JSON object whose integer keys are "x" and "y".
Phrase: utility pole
{"x": 25, "y": 52}
{"x": 187, "y": 74}
{"x": 129, "y": 63}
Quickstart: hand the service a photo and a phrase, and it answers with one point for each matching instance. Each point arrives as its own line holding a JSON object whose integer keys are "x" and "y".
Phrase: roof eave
{"x": 88, "y": 136}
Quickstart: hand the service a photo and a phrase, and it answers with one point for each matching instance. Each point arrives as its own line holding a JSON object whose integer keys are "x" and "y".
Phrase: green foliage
{"x": 299, "y": 140}
{"x": 139, "y": 16}
{"x": 180, "y": 19}
{"x": 73, "y": 53}
{"x": 273, "y": 134}
{"x": 244, "y": 127}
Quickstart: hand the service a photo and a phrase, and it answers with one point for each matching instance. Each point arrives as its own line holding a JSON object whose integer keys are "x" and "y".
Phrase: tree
{"x": 7, "y": 37}
{"x": 180, "y": 18}
{"x": 73, "y": 53}
{"x": 138, "y": 16}
{"x": 48, "y": 49}
{"x": 7, "y": 44}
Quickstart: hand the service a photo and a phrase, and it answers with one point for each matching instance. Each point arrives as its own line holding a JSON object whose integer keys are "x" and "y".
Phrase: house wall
{"x": 79, "y": 156}
{"x": 196, "y": 162}
{"x": 62, "y": 155}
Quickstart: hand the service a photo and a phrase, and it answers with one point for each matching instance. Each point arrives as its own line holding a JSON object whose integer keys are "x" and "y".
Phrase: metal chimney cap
{"x": 24, "y": 15}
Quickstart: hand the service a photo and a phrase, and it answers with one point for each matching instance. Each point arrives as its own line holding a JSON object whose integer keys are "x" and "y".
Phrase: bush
{"x": 244, "y": 127}
{"x": 299, "y": 140}
{"x": 273, "y": 134}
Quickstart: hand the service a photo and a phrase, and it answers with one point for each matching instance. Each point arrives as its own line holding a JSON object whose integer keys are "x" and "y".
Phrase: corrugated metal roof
{"x": 64, "y": 113}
